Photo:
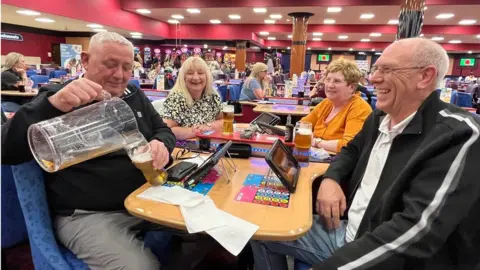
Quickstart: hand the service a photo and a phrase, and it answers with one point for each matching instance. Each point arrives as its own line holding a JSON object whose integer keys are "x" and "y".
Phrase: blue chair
{"x": 31, "y": 72}
{"x": 10, "y": 106}
{"x": 38, "y": 79}
{"x": 464, "y": 100}
{"x": 223, "y": 92}
{"x": 373, "y": 102}
{"x": 14, "y": 229}
{"x": 234, "y": 92}
{"x": 299, "y": 265}
{"x": 236, "y": 81}
{"x": 57, "y": 74}
{"x": 136, "y": 83}
{"x": 46, "y": 253}
{"x": 453, "y": 97}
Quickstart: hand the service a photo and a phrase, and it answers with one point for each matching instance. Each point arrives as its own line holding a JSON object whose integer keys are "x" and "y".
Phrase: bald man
{"x": 404, "y": 193}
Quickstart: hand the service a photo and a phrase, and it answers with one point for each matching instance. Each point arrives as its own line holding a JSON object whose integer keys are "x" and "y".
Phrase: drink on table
{"x": 228, "y": 116}
{"x": 302, "y": 140}
{"x": 143, "y": 162}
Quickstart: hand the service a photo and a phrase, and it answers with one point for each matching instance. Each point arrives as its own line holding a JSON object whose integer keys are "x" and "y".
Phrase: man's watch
{"x": 317, "y": 141}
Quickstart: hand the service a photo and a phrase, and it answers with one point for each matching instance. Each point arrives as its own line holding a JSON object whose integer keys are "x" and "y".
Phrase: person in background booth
{"x": 252, "y": 88}
{"x": 152, "y": 75}
{"x": 339, "y": 117}
{"x": 193, "y": 105}
{"x": 87, "y": 199}
{"x": 13, "y": 71}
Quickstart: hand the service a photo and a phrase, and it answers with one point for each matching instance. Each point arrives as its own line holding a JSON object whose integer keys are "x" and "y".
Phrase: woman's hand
{"x": 200, "y": 128}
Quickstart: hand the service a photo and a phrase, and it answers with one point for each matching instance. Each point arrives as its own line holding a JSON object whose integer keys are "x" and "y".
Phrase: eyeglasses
{"x": 334, "y": 81}
{"x": 387, "y": 69}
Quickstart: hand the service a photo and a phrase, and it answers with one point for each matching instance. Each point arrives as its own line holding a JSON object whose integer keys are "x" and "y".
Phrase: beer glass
{"x": 140, "y": 152}
{"x": 228, "y": 115}
{"x": 302, "y": 139}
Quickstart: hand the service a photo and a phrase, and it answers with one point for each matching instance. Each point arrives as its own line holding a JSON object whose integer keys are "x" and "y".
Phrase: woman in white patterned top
{"x": 193, "y": 105}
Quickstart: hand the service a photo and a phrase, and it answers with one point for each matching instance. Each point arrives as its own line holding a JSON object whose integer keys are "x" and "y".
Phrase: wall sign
{"x": 12, "y": 36}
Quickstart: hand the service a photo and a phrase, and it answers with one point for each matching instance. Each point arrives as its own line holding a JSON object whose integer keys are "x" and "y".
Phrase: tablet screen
{"x": 286, "y": 166}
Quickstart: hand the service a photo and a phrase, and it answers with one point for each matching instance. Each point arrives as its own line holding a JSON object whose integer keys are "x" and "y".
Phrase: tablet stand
{"x": 230, "y": 162}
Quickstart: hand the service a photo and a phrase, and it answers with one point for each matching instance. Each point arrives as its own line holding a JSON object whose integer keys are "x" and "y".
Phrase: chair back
{"x": 464, "y": 100}
{"x": 57, "y": 74}
{"x": 38, "y": 79}
{"x": 222, "y": 90}
{"x": 31, "y": 72}
{"x": 453, "y": 97}
{"x": 136, "y": 83}
{"x": 234, "y": 91}
{"x": 46, "y": 253}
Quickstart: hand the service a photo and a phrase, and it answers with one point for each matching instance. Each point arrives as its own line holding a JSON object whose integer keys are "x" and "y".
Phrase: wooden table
{"x": 276, "y": 224}
{"x": 16, "y": 93}
{"x": 277, "y": 109}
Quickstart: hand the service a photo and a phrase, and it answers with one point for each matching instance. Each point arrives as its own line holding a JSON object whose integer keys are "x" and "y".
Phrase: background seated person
{"x": 152, "y": 75}
{"x": 193, "y": 105}
{"x": 339, "y": 117}
{"x": 252, "y": 88}
{"x": 13, "y": 71}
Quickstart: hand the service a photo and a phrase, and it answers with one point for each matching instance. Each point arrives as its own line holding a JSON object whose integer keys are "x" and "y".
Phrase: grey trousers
{"x": 104, "y": 240}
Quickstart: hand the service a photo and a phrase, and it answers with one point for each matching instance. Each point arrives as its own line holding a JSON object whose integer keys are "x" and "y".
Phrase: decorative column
{"x": 241, "y": 55}
{"x": 299, "y": 42}
{"x": 410, "y": 20}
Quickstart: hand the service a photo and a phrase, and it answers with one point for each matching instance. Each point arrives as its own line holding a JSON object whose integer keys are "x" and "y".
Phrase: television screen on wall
{"x": 467, "y": 62}
{"x": 323, "y": 58}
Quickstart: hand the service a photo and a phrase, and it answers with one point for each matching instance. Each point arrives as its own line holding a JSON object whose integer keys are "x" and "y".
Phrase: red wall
{"x": 32, "y": 45}
{"x": 465, "y": 71}
{"x": 253, "y": 57}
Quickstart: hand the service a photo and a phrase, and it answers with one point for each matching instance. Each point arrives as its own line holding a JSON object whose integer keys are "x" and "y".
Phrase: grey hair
{"x": 102, "y": 37}
{"x": 428, "y": 53}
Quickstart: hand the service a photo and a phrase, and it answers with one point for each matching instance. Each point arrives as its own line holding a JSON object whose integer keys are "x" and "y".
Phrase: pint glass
{"x": 228, "y": 115}
{"x": 302, "y": 139}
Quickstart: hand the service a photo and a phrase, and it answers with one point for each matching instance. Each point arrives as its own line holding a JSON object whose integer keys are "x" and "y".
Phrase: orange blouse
{"x": 344, "y": 126}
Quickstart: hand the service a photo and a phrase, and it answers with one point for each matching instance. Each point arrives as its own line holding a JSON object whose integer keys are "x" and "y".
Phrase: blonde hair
{"x": 11, "y": 60}
{"x": 256, "y": 69}
{"x": 348, "y": 68}
{"x": 193, "y": 63}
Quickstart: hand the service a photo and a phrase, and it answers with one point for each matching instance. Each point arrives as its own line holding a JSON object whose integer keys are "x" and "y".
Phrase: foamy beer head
{"x": 228, "y": 112}
{"x": 303, "y": 138}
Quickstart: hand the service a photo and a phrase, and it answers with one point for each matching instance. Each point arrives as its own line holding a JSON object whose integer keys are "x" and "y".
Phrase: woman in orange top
{"x": 339, "y": 117}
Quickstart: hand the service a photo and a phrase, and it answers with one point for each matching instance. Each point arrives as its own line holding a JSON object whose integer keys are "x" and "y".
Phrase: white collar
{"x": 398, "y": 128}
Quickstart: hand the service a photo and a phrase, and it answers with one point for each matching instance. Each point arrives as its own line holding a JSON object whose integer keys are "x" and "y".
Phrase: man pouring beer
{"x": 87, "y": 199}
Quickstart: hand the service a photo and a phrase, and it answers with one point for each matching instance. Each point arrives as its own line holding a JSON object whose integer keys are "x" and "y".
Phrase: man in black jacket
{"x": 87, "y": 199}
{"x": 405, "y": 192}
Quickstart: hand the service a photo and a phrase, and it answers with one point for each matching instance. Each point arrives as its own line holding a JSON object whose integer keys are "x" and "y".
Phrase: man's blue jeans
{"x": 314, "y": 247}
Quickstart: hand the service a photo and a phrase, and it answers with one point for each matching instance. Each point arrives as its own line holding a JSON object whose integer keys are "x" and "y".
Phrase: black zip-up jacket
{"x": 425, "y": 211}
{"x": 99, "y": 184}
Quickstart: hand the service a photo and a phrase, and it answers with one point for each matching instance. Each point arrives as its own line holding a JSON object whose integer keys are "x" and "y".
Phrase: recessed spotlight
{"x": 329, "y": 49}
{"x": 137, "y": 37}
{"x": 373, "y": 49}
{"x": 143, "y": 11}
{"x": 94, "y": 25}
{"x": 289, "y": 36}
{"x": 455, "y": 41}
{"x": 288, "y": 48}
{"x": 309, "y": 48}
{"x": 343, "y": 37}
{"x": 177, "y": 16}
{"x": 135, "y": 33}
{"x": 288, "y": 20}
{"x": 334, "y": 9}
{"x": 271, "y": 38}
{"x": 367, "y": 16}
{"x": 351, "y": 49}
{"x": 193, "y": 10}
{"x": 467, "y": 22}
{"x": 316, "y": 39}
{"x": 259, "y": 10}
{"x": 393, "y": 22}
{"x": 263, "y": 33}
{"x": 185, "y": 45}
{"x": 173, "y": 21}
{"x": 215, "y": 21}
{"x": 365, "y": 40}
{"x": 378, "y": 53}
{"x": 469, "y": 52}
{"x": 361, "y": 53}
{"x": 318, "y": 34}
{"x": 28, "y": 12}
{"x": 422, "y": 35}
{"x": 438, "y": 38}
{"x": 99, "y": 30}
{"x": 375, "y": 34}
{"x": 269, "y": 47}
{"x": 328, "y": 21}
{"x": 225, "y": 47}
{"x": 275, "y": 16}
{"x": 268, "y": 21}
{"x": 234, "y": 16}
{"x": 205, "y": 46}
{"x": 444, "y": 16}
{"x": 45, "y": 20}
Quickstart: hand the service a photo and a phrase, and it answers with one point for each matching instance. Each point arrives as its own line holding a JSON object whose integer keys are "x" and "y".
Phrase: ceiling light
{"x": 259, "y": 10}
{"x": 173, "y": 21}
{"x": 438, "y": 38}
{"x": 288, "y": 48}
{"x": 444, "y": 16}
{"x": 361, "y": 53}
{"x": 177, "y": 16}
{"x": 455, "y": 41}
{"x": 309, "y": 48}
{"x": 373, "y": 49}
{"x": 28, "y": 12}
{"x": 329, "y": 49}
{"x": 225, "y": 47}
{"x": 276, "y": 16}
{"x": 316, "y": 39}
{"x": 143, "y": 11}
{"x": 367, "y": 16}
{"x": 351, "y": 49}
{"x": 205, "y": 46}
{"x": 365, "y": 40}
{"x": 271, "y": 38}
{"x": 342, "y": 37}
{"x": 425, "y": 8}
{"x": 334, "y": 9}
{"x": 268, "y": 21}
{"x": 478, "y": 36}
{"x": 328, "y": 21}
{"x": 193, "y": 10}
{"x": 318, "y": 34}
{"x": 185, "y": 45}
{"x": 289, "y": 36}
{"x": 99, "y": 30}
{"x": 269, "y": 47}
{"x": 422, "y": 35}
{"x": 288, "y": 20}
{"x": 375, "y": 34}
{"x": 94, "y": 25}
{"x": 45, "y": 20}
{"x": 263, "y": 33}
{"x": 393, "y": 22}
{"x": 234, "y": 17}
{"x": 215, "y": 21}
{"x": 378, "y": 53}
{"x": 135, "y": 33}
{"x": 467, "y": 22}
{"x": 469, "y": 52}
{"x": 137, "y": 37}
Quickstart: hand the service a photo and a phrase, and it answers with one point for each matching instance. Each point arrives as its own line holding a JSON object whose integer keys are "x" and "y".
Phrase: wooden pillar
{"x": 241, "y": 55}
{"x": 299, "y": 42}
{"x": 410, "y": 20}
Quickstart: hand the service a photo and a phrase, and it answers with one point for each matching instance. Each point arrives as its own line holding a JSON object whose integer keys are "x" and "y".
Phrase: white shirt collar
{"x": 398, "y": 128}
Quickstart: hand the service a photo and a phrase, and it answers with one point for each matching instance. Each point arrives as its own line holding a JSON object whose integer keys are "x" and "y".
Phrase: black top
{"x": 99, "y": 184}
{"x": 9, "y": 79}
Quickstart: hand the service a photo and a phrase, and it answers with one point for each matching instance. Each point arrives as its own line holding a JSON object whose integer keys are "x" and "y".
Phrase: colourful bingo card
{"x": 261, "y": 189}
